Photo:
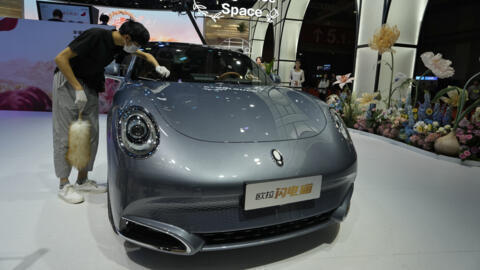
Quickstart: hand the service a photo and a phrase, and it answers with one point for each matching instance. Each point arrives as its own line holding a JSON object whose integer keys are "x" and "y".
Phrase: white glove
{"x": 80, "y": 99}
{"x": 163, "y": 71}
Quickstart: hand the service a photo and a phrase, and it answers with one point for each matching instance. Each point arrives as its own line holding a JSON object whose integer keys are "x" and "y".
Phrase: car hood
{"x": 237, "y": 113}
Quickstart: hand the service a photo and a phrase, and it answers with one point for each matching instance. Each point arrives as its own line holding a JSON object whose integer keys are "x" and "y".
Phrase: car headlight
{"x": 342, "y": 128}
{"x": 137, "y": 132}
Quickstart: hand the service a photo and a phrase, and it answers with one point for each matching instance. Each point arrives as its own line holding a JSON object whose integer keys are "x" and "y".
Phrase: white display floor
{"x": 409, "y": 211}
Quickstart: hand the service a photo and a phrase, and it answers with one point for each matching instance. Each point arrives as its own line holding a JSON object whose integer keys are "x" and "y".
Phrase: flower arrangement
{"x": 468, "y": 134}
{"x": 420, "y": 126}
{"x": 437, "y": 124}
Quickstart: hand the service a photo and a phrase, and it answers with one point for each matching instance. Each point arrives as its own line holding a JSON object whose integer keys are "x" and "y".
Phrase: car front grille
{"x": 262, "y": 232}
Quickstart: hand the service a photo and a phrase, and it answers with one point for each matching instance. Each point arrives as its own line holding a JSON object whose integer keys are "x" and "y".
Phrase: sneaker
{"x": 70, "y": 195}
{"x": 90, "y": 186}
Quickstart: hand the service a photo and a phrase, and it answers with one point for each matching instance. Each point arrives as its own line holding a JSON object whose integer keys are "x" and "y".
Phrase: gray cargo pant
{"x": 64, "y": 112}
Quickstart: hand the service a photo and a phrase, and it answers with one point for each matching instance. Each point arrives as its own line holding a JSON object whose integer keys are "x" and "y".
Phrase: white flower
{"x": 400, "y": 78}
{"x": 332, "y": 99}
{"x": 442, "y": 130}
{"x": 447, "y": 127}
{"x": 420, "y": 127}
{"x": 342, "y": 80}
{"x": 435, "y": 124}
{"x": 420, "y": 123}
{"x": 439, "y": 66}
{"x": 476, "y": 115}
{"x": 368, "y": 98}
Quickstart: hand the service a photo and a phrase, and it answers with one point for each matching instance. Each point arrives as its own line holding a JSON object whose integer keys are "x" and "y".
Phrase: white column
{"x": 286, "y": 30}
{"x": 371, "y": 13}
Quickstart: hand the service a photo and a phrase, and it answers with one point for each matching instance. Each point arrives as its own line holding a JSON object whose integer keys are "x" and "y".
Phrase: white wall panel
{"x": 408, "y": 16}
{"x": 370, "y": 20}
{"x": 297, "y": 9}
{"x": 404, "y": 62}
{"x": 257, "y": 34}
{"x": 365, "y": 71}
{"x": 289, "y": 42}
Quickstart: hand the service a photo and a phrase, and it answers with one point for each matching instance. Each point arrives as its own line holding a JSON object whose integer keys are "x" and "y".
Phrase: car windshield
{"x": 194, "y": 63}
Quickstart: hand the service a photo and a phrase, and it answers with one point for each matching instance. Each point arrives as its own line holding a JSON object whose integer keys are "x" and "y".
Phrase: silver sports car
{"x": 219, "y": 156}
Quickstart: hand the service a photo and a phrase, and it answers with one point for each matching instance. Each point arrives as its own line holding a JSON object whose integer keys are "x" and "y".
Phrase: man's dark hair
{"x": 58, "y": 13}
{"x": 137, "y": 32}
{"x": 104, "y": 18}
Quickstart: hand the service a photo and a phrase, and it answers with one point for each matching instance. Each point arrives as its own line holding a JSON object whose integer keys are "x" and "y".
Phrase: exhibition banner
{"x": 28, "y": 49}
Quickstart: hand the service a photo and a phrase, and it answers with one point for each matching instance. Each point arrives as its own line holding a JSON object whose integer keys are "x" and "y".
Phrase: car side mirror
{"x": 113, "y": 69}
{"x": 275, "y": 78}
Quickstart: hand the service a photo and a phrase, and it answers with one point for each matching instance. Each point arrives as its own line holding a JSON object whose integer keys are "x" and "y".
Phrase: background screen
{"x": 71, "y": 13}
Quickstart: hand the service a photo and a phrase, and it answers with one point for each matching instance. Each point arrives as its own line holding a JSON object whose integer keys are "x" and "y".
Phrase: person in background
{"x": 104, "y": 19}
{"x": 78, "y": 79}
{"x": 334, "y": 88}
{"x": 297, "y": 76}
{"x": 259, "y": 61}
{"x": 323, "y": 86}
{"x": 57, "y": 16}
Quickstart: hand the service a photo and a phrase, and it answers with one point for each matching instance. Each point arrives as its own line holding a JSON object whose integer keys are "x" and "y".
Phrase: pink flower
{"x": 342, "y": 80}
{"x": 356, "y": 126}
{"x": 463, "y": 123}
{"x": 462, "y": 156}
{"x": 468, "y": 137}
{"x": 467, "y": 153}
{"x": 470, "y": 127}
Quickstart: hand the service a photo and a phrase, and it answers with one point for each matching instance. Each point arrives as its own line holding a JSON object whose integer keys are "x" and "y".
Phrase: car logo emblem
{"x": 277, "y": 156}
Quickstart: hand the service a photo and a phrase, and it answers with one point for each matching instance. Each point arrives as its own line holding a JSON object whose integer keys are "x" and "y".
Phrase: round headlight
{"x": 137, "y": 132}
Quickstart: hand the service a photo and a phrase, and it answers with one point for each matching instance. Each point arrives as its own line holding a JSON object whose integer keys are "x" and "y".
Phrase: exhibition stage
{"x": 409, "y": 211}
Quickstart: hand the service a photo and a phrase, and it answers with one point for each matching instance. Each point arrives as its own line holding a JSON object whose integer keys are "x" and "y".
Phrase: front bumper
{"x": 171, "y": 239}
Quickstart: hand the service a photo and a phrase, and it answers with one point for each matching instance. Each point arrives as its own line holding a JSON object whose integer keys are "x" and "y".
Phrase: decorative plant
{"x": 450, "y": 142}
{"x": 468, "y": 133}
{"x": 241, "y": 27}
{"x": 383, "y": 41}
{"x": 269, "y": 66}
{"x": 457, "y": 97}
{"x": 350, "y": 108}
{"x": 368, "y": 98}
{"x": 437, "y": 65}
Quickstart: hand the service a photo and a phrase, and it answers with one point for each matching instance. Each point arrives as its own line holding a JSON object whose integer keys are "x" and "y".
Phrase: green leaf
{"x": 443, "y": 92}
{"x": 462, "y": 103}
{"x": 468, "y": 110}
{"x": 269, "y": 66}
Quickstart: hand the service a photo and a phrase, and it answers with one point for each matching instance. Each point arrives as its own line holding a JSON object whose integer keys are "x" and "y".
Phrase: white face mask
{"x": 130, "y": 48}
